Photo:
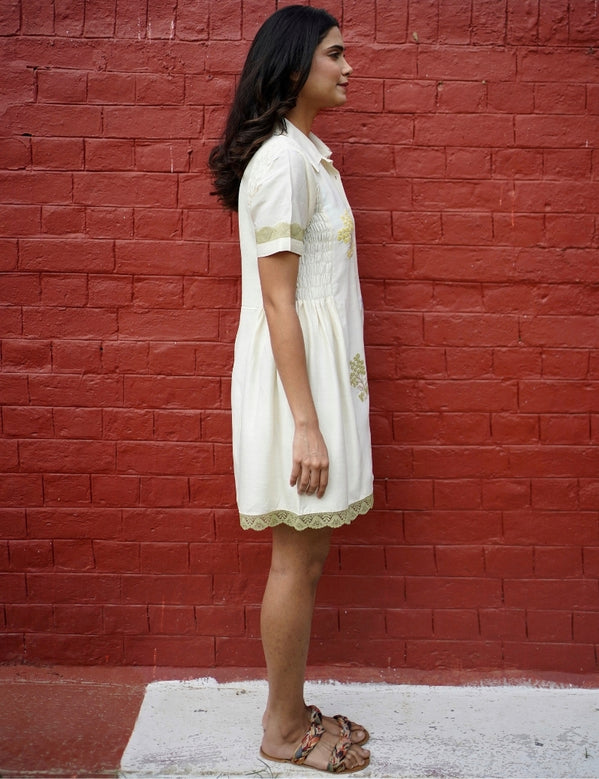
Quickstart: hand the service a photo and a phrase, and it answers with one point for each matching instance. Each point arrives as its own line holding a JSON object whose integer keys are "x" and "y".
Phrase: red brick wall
{"x": 469, "y": 152}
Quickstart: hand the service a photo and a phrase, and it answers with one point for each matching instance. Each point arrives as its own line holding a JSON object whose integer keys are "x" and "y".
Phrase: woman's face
{"x": 327, "y": 81}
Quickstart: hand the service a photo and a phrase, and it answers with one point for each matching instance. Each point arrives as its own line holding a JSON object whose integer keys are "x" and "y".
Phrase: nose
{"x": 347, "y": 68}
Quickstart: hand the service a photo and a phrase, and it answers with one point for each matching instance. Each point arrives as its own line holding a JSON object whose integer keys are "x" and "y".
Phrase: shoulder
{"x": 277, "y": 154}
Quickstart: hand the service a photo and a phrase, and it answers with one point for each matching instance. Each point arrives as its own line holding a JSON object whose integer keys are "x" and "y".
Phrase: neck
{"x": 301, "y": 118}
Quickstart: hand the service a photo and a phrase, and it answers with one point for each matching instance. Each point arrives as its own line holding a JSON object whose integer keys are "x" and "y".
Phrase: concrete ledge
{"x": 204, "y": 728}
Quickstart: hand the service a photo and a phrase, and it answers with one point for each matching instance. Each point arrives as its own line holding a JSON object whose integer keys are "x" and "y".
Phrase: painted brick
{"x": 164, "y": 558}
{"x": 586, "y": 627}
{"x": 325, "y": 625}
{"x": 172, "y": 620}
{"x": 27, "y": 422}
{"x": 111, "y": 490}
{"x": 457, "y": 494}
{"x": 549, "y": 527}
{"x": 30, "y": 555}
{"x": 80, "y": 619}
{"x": 457, "y": 655}
{"x": 362, "y": 651}
{"x": 72, "y": 588}
{"x": 24, "y": 289}
{"x": 509, "y": 560}
{"x": 567, "y": 163}
{"x": 506, "y": 494}
{"x": 568, "y": 594}
{"x": 177, "y": 651}
{"x": 558, "y": 561}
{"x": 439, "y": 592}
{"x": 61, "y": 220}
{"x": 547, "y": 655}
{"x": 116, "y": 556}
{"x": 66, "y": 489}
{"x": 78, "y": 422}
{"x": 467, "y": 151}
{"x": 171, "y": 589}
{"x": 357, "y": 622}
{"x": 214, "y": 558}
{"x": 410, "y": 623}
{"x": 456, "y": 624}
{"x": 163, "y": 89}
{"x": 58, "y": 255}
{"x": 588, "y": 493}
{"x": 163, "y": 157}
{"x": 72, "y": 523}
{"x": 55, "y": 86}
{"x": 461, "y": 129}
{"x": 186, "y": 525}
{"x": 125, "y": 619}
{"x": 503, "y": 624}
{"x": 459, "y": 560}
{"x": 109, "y": 222}
{"x": 43, "y": 648}
{"x": 57, "y": 153}
{"x": 26, "y": 618}
{"x": 233, "y": 651}
{"x": 554, "y": 493}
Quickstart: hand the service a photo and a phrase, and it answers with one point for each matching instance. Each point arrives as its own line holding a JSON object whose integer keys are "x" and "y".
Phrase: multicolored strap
{"x": 343, "y": 722}
{"x": 315, "y": 733}
{"x": 336, "y": 764}
{"x": 309, "y": 741}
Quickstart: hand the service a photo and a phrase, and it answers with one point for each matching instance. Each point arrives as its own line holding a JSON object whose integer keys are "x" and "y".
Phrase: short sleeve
{"x": 280, "y": 202}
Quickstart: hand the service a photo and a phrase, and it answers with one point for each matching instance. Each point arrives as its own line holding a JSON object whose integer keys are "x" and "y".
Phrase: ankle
{"x": 285, "y": 727}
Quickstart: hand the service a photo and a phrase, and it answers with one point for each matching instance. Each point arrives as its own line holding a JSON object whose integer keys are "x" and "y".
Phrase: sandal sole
{"x": 313, "y": 767}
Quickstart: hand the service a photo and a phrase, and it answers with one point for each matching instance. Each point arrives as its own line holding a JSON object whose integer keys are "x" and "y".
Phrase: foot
{"x": 318, "y": 749}
{"x": 339, "y": 726}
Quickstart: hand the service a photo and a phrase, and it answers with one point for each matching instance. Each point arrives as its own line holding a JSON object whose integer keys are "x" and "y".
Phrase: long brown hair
{"x": 275, "y": 70}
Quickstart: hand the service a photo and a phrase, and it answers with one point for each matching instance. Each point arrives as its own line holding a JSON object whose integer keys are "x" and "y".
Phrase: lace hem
{"x": 306, "y": 521}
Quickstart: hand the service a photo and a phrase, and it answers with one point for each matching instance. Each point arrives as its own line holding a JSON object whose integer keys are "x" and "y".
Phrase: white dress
{"x": 291, "y": 199}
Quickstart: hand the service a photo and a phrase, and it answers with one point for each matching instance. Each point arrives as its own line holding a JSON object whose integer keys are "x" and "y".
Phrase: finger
{"x": 314, "y": 482}
{"x": 295, "y": 473}
{"x": 304, "y": 485}
{"x": 304, "y": 479}
{"x": 324, "y": 480}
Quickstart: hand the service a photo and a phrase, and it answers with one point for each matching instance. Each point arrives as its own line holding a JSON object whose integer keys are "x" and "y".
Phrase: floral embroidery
{"x": 346, "y": 234}
{"x": 357, "y": 377}
{"x": 281, "y": 230}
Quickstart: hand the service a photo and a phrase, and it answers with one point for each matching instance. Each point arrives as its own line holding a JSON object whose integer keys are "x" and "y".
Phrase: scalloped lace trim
{"x": 305, "y": 521}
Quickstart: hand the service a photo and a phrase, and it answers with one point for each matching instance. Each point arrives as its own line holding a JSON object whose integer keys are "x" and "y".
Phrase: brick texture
{"x": 469, "y": 149}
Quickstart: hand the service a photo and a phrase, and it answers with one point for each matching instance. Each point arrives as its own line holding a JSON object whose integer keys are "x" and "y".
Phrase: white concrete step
{"x": 203, "y": 728}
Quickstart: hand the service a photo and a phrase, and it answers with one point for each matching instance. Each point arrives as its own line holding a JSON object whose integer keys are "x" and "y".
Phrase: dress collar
{"x": 313, "y": 148}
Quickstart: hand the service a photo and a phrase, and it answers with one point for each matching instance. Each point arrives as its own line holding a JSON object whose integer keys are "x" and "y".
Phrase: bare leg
{"x": 298, "y": 558}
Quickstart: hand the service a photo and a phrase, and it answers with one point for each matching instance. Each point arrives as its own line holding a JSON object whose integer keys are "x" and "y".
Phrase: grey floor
{"x": 203, "y": 728}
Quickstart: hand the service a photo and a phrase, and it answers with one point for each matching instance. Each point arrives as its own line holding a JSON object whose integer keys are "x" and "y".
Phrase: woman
{"x": 301, "y": 440}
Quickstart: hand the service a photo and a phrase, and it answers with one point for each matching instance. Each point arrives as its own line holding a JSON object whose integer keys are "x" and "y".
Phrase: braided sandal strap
{"x": 336, "y": 763}
{"x": 309, "y": 741}
{"x": 344, "y": 724}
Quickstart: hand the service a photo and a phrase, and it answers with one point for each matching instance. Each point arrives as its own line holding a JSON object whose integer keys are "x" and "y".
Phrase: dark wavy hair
{"x": 275, "y": 70}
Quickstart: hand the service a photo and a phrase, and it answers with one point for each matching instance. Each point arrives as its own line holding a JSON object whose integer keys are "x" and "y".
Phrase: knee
{"x": 301, "y": 555}
{"x": 308, "y": 570}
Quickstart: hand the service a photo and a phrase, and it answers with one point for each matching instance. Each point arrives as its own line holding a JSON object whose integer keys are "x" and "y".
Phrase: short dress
{"x": 291, "y": 199}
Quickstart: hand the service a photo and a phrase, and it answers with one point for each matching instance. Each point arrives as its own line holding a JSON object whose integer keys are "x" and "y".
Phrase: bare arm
{"x": 278, "y": 278}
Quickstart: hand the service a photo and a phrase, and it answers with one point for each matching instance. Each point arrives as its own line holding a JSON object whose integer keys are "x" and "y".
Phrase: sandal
{"x": 345, "y": 725}
{"x": 311, "y": 738}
